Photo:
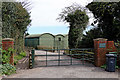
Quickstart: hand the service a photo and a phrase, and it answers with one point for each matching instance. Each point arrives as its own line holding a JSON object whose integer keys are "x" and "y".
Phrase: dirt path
{"x": 81, "y": 71}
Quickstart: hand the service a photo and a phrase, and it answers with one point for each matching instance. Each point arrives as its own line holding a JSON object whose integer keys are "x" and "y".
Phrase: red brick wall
{"x": 6, "y": 44}
{"x": 100, "y": 53}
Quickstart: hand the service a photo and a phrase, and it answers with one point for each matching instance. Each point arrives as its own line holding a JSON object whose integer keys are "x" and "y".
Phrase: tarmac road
{"x": 80, "y": 71}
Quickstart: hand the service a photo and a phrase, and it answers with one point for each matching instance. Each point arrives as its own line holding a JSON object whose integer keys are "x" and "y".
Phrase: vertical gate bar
{"x": 84, "y": 57}
{"x": 33, "y": 56}
{"x": 71, "y": 57}
{"x": 46, "y": 58}
{"x": 59, "y": 58}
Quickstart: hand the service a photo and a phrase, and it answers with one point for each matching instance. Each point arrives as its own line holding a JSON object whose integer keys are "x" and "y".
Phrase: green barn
{"x": 32, "y": 40}
{"x": 66, "y": 41}
{"x": 47, "y": 40}
{"x": 59, "y": 41}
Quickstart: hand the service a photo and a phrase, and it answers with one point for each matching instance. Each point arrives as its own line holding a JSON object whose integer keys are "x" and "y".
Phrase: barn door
{"x": 59, "y": 43}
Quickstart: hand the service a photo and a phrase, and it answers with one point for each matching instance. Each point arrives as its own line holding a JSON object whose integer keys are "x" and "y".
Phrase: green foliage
{"x": 6, "y": 55}
{"x": 117, "y": 44}
{"x": 76, "y": 16}
{"x": 19, "y": 57}
{"x": 87, "y": 41}
{"x": 104, "y": 66}
{"x": 8, "y": 69}
{"x": 23, "y": 54}
{"x": 0, "y": 55}
{"x": 16, "y": 19}
{"x": 0, "y": 69}
{"x": 108, "y": 19}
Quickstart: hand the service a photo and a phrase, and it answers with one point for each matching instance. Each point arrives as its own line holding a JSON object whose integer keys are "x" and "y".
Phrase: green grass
{"x": 0, "y": 69}
{"x": 19, "y": 57}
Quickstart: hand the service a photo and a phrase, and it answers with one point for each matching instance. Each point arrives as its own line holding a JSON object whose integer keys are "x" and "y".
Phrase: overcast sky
{"x": 45, "y": 12}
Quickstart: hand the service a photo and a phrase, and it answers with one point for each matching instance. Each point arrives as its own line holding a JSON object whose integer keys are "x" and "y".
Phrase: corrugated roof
{"x": 33, "y": 35}
{"x": 61, "y": 34}
{"x": 38, "y": 35}
{"x": 65, "y": 34}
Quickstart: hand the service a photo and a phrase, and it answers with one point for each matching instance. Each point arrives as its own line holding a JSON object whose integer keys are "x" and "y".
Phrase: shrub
{"x": 8, "y": 69}
{"x": 104, "y": 66}
{"x": 23, "y": 54}
{"x": 0, "y": 69}
{"x": 19, "y": 57}
{"x": 6, "y": 55}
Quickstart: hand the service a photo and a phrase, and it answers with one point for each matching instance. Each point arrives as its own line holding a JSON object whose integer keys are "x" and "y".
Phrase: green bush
{"x": 0, "y": 69}
{"x": 19, "y": 57}
{"x": 23, "y": 54}
{"x": 8, "y": 69}
{"x": 6, "y": 55}
{"x": 15, "y": 62}
{"x": 104, "y": 66}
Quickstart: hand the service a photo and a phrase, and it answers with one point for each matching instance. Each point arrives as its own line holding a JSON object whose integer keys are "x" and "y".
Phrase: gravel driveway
{"x": 54, "y": 60}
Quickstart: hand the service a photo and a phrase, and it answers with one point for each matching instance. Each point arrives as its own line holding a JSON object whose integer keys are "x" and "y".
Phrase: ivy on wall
{"x": 15, "y": 20}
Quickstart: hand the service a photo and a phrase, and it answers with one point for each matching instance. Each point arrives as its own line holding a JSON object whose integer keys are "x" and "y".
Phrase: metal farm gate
{"x": 61, "y": 57}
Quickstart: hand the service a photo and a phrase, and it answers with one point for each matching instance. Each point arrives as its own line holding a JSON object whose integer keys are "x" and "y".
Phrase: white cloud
{"x": 45, "y": 12}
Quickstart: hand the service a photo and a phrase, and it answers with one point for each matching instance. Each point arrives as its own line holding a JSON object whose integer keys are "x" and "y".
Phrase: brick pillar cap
{"x": 100, "y": 39}
{"x": 7, "y": 39}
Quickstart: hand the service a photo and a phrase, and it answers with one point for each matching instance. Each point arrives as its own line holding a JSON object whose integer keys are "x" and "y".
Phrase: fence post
{"x": 31, "y": 59}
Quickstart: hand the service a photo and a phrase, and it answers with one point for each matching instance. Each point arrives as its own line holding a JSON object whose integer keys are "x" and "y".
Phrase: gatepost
{"x": 6, "y": 44}
{"x": 100, "y": 47}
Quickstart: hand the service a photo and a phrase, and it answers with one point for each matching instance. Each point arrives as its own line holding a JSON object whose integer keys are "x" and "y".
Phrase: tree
{"x": 108, "y": 19}
{"x": 0, "y": 24}
{"x": 107, "y": 15}
{"x": 76, "y": 16}
{"x": 87, "y": 41}
{"x": 16, "y": 20}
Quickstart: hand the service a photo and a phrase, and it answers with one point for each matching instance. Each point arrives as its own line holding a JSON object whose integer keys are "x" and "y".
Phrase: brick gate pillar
{"x": 6, "y": 44}
{"x": 100, "y": 47}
